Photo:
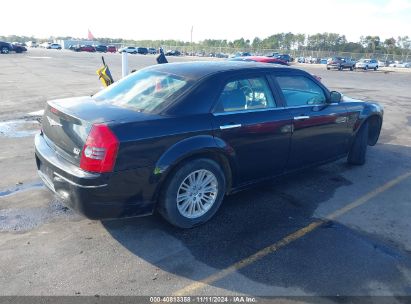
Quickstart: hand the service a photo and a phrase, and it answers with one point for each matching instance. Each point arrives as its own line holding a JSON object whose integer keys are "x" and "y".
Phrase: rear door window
{"x": 246, "y": 94}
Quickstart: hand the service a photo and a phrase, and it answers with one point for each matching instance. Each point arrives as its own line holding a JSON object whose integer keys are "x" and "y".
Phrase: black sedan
{"x": 100, "y": 48}
{"x": 173, "y": 53}
{"x": 178, "y": 137}
{"x": 5, "y": 47}
{"x": 19, "y": 48}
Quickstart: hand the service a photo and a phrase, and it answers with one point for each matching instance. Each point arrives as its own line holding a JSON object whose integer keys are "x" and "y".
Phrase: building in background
{"x": 65, "y": 44}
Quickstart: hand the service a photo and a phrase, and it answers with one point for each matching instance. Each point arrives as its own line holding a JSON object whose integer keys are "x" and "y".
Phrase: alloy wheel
{"x": 197, "y": 193}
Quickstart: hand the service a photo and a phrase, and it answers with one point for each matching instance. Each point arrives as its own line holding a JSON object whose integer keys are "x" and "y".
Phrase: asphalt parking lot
{"x": 335, "y": 230}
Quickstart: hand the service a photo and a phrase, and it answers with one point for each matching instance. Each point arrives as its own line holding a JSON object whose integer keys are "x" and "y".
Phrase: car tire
{"x": 5, "y": 50}
{"x": 328, "y": 68}
{"x": 358, "y": 150}
{"x": 375, "y": 68}
{"x": 340, "y": 68}
{"x": 351, "y": 68}
{"x": 177, "y": 214}
{"x": 365, "y": 68}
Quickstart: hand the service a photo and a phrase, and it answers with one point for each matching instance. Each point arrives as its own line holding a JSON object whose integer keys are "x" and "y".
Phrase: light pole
{"x": 191, "y": 39}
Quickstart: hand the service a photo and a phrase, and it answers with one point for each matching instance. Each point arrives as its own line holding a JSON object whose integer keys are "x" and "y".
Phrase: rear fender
{"x": 201, "y": 145}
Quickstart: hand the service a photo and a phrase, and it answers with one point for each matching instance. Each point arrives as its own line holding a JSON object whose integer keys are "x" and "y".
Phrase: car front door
{"x": 320, "y": 128}
{"x": 254, "y": 127}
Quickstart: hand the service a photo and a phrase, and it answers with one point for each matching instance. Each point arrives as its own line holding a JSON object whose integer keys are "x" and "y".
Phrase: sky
{"x": 211, "y": 19}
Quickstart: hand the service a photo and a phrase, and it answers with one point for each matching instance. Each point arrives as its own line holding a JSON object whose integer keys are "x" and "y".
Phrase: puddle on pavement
{"x": 25, "y": 219}
{"x": 19, "y": 128}
{"x": 21, "y": 187}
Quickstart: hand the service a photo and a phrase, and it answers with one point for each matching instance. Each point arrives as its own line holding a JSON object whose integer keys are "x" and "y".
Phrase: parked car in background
{"x": 142, "y": 50}
{"x": 263, "y": 59}
{"x": 221, "y": 55}
{"x": 340, "y": 63}
{"x": 366, "y": 64}
{"x": 5, "y": 47}
{"x": 241, "y": 54}
{"x": 266, "y": 59}
{"x": 32, "y": 44}
{"x": 100, "y": 48}
{"x": 311, "y": 59}
{"x": 152, "y": 50}
{"x": 45, "y": 45}
{"x": 172, "y": 53}
{"x": 323, "y": 60}
{"x": 128, "y": 49}
{"x": 284, "y": 57}
{"x": 176, "y": 138}
{"x": 381, "y": 64}
{"x": 19, "y": 43}
{"x": 54, "y": 46}
{"x": 18, "y": 47}
{"x": 87, "y": 48}
{"x": 111, "y": 49}
{"x": 401, "y": 65}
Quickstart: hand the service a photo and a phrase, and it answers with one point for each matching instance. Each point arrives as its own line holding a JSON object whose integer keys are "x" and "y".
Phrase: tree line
{"x": 286, "y": 42}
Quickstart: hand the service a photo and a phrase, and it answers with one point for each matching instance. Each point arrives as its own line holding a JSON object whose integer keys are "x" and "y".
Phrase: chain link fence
{"x": 198, "y": 50}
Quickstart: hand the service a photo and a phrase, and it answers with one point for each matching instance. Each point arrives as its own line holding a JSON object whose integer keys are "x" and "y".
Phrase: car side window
{"x": 300, "y": 91}
{"x": 246, "y": 94}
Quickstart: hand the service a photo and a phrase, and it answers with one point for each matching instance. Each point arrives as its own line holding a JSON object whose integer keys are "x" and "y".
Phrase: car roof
{"x": 195, "y": 70}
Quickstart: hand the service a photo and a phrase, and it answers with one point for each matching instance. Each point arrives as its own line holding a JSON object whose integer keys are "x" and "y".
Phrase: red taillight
{"x": 100, "y": 151}
{"x": 54, "y": 110}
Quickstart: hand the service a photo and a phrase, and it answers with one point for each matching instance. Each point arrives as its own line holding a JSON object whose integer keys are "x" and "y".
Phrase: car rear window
{"x": 144, "y": 91}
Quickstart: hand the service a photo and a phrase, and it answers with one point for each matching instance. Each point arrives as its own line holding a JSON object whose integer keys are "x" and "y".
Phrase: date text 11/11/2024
{"x": 203, "y": 299}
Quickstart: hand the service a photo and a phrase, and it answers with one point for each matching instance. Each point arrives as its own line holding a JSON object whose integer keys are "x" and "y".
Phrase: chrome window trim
{"x": 306, "y": 106}
{"x": 272, "y": 109}
{"x": 247, "y": 111}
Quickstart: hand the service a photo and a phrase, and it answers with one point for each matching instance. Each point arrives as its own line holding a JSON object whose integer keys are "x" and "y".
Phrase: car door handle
{"x": 301, "y": 117}
{"x": 225, "y": 127}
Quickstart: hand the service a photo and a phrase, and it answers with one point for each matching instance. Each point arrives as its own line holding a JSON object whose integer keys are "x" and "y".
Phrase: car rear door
{"x": 254, "y": 126}
{"x": 320, "y": 128}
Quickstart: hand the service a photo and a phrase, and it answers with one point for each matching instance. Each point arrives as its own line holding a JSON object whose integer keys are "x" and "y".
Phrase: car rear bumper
{"x": 364, "y": 67}
{"x": 97, "y": 196}
{"x": 338, "y": 66}
{"x": 333, "y": 66}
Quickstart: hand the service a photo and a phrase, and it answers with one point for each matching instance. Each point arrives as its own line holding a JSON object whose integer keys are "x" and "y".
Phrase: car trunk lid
{"x": 67, "y": 123}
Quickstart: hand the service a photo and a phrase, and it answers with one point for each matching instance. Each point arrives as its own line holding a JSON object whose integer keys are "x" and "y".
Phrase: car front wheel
{"x": 193, "y": 194}
{"x": 5, "y": 50}
{"x": 356, "y": 156}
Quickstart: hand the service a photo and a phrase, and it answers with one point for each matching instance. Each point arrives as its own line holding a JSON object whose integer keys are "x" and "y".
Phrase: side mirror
{"x": 335, "y": 97}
